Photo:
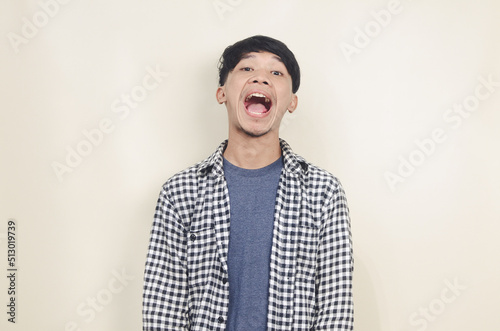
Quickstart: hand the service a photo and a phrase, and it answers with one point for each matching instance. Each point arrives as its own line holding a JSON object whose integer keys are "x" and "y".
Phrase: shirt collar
{"x": 292, "y": 162}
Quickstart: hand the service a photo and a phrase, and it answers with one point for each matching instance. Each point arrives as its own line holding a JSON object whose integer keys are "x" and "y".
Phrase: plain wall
{"x": 399, "y": 99}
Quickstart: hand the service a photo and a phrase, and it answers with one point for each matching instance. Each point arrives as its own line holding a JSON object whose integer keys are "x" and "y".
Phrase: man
{"x": 253, "y": 237}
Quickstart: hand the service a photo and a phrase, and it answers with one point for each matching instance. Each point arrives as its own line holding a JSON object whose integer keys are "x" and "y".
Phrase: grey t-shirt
{"x": 252, "y": 198}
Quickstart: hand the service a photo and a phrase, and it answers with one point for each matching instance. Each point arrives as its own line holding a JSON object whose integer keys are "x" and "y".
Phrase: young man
{"x": 254, "y": 237}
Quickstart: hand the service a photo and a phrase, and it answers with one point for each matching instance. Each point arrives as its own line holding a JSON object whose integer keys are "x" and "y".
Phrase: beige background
{"x": 376, "y": 108}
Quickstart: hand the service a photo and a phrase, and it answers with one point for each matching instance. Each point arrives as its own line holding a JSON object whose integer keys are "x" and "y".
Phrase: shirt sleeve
{"x": 165, "y": 296}
{"x": 335, "y": 309}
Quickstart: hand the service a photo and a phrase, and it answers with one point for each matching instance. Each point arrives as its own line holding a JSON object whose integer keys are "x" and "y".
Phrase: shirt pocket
{"x": 307, "y": 250}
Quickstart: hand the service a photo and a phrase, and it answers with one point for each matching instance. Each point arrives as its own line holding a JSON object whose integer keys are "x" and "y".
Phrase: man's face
{"x": 257, "y": 93}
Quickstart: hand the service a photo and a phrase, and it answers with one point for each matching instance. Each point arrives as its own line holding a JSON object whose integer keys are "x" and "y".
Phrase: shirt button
{"x": 224, "y": 280}
{"x": 220, "y": 319}
{"x": 192, "y": 237}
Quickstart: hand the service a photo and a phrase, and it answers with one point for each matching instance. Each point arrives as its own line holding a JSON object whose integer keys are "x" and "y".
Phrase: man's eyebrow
{"x": 248, "y": 56}
{"x": 278, "y": 58}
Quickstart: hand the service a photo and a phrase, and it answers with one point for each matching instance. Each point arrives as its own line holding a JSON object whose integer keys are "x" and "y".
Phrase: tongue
{"x": 257, "y": 108}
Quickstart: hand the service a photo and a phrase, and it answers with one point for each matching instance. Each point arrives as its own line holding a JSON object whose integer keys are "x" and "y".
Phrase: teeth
{"x": 259, "y": 95}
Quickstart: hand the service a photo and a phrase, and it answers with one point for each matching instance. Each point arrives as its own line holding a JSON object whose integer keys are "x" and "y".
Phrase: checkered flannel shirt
{"x": 310, "y": 285}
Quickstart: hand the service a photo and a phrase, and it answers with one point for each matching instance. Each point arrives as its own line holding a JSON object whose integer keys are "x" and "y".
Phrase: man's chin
{"x": 254, "y": 134}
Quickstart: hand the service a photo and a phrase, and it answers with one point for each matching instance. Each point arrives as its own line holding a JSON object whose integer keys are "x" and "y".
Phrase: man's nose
{"x": 260, "y": 81}
{"x": 260, "y": 78}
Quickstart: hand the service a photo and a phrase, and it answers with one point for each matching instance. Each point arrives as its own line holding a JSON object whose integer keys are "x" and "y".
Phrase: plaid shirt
{"x": 310, "y": 284}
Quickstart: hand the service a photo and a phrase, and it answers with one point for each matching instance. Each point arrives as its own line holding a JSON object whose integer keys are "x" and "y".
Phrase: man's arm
{"x": 335, "y": 310}
{"x": 165, "y": 297}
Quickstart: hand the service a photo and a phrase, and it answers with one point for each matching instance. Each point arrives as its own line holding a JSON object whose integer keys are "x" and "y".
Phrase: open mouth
{"x": 257, "y": 103}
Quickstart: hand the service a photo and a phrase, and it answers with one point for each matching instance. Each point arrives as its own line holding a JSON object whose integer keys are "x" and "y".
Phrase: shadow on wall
{"x": 366, "y": 309}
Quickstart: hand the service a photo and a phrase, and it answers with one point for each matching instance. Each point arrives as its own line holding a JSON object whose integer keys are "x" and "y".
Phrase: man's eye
{"x": 246, "y": 69}
{"x": 277, "y": 73}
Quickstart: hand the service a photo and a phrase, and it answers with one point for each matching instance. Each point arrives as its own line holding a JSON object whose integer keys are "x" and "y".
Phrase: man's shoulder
{"x": 320, "y": 176}
{"x": 185, "y": 176}
{"x": 182, "y": 188}
{"x": 313, "y": 174}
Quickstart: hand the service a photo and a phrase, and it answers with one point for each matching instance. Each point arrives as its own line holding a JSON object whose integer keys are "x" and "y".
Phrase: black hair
{"x": 233, "y": 54}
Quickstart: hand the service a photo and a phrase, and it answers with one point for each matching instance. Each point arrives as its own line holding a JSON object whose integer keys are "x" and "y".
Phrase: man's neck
{"x": 253, "y": 152}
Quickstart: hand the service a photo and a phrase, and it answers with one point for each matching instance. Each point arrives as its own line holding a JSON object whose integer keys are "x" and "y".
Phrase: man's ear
{"x": 221, "y": 95}
{"x": 293, "y": 103}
